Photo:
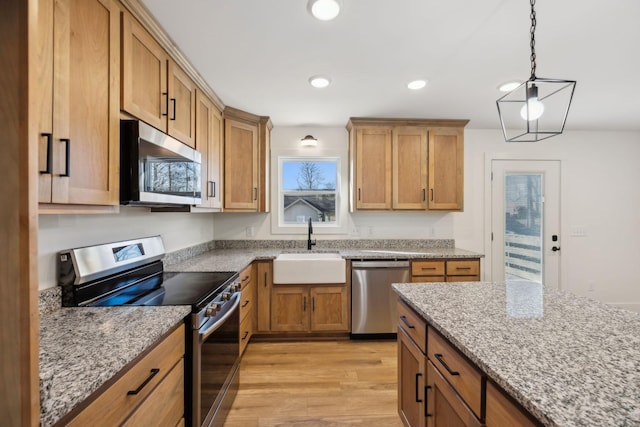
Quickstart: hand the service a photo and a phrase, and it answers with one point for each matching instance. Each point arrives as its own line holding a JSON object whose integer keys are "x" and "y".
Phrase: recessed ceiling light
{"x": 319, "y": 81}
{"x": 324, "y": 10}
{"x": 417, "y": 84}
{"x": 509, "y": 86}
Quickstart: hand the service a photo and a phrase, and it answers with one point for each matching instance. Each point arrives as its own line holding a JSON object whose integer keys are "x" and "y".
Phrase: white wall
{"x": 59, "y": 232}
{"x": 599, "y": 193}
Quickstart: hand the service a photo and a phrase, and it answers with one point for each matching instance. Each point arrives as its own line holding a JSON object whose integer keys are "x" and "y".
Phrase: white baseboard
{"x": 633, "y": 306}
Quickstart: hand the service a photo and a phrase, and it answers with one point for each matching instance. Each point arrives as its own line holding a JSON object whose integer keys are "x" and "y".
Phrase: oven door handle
{"x": 211, "y": 329}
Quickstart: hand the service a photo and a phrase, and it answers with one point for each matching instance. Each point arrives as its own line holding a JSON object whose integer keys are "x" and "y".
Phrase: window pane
{"x": 298, "y": 208}
{"x": 309, "y": 175}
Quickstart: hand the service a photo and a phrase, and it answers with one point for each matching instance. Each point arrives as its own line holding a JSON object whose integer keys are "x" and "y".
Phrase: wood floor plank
{"x": 317, "y": 384}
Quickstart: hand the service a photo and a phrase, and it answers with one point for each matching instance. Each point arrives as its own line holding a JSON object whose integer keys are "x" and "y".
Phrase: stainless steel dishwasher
{"x": 373, "y": 302}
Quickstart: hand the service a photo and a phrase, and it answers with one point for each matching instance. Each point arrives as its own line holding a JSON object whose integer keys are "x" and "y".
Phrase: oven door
{"x": 215, "y": 365}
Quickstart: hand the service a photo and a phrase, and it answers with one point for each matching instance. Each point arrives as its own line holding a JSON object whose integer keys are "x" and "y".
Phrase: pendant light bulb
{"x": 533, "y": 108}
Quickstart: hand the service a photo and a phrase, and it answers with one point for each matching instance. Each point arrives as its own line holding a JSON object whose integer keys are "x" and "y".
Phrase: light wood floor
{"x": 319, "y": 383}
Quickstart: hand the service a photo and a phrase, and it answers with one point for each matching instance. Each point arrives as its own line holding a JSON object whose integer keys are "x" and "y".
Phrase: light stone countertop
{"x": 238, "y": 259}
{"x": 82, "y": 348}
{"x": 569, "y": 360}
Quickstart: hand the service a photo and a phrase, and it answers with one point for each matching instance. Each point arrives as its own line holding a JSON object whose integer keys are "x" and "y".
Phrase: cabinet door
{"x": 240, "y": 166}
{"x": 329, "y": 308}
{"x": 411, "y": 381}
{"x": 144, "y": 75}
{"x": 86, "y": 140}
{"x": 264, "y": 283}
{"x": 44, "y": 70}
{"x": 208, "y": 143}
{"x": 410, "y": 168}
{"x": 289, "y": 308}
{"x": 182, "y": 103}
{"x": 444, "y": 405}
{"x": 373, "y": 168}
{"x": 446, "y": 159}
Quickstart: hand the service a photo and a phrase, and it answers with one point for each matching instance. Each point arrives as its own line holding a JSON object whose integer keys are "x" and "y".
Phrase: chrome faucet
{"x": 310, "y": 242}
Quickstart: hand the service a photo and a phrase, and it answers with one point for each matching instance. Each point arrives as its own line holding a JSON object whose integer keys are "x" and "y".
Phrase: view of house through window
{"x": 308, "y": 190}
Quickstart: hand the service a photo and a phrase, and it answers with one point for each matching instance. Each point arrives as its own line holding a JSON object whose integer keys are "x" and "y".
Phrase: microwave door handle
{"x": 211, "y": 329}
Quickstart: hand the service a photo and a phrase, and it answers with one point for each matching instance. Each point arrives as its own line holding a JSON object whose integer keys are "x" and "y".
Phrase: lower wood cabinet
{"x": 310, "y": 308}
{"x": 449, "y": 270}
{"x": 264, "y": 281}
{"x": 247, "y": 305}
{"x": 439, "y": 387}
{"x": 151, "y": 392}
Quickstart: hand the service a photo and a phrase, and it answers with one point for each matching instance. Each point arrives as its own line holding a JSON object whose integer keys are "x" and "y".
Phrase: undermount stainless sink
{"x": 311, "y": 267}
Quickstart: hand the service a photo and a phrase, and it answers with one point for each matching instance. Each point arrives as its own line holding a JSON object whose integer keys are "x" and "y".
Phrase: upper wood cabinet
{"x": 78, "y": 68}
{"x": 154, "y": 88}
{"x": 208, "y": 140}
{"x": 246, "y": 161}
{"x": 406, "y": 164}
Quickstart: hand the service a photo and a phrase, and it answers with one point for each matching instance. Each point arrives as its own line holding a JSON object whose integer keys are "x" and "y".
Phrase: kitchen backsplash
{"x": 337, "y": 244}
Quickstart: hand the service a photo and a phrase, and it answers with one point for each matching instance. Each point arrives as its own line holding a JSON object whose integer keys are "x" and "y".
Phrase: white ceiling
{"x": 257, "y": 55}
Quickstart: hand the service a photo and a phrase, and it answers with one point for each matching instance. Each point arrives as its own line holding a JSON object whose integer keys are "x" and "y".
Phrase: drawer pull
{"x": 463, "y": 268}
{"x": 404, "y": 320}
{"x": 441, "y": 360}
{"x": 428, "y": 268}
{"x": 154, "y": 372}
{"x": 245, "y": 303}
{"x": 245, "y": 335}
{"x": 49, "y": 167}
{"x": 418, "y": 375}
{"x": 245, "y": 278}
{"x": 426, "y": 409}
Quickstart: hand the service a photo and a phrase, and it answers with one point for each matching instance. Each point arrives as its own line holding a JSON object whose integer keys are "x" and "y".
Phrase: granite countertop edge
{"x": 82, "y": 348}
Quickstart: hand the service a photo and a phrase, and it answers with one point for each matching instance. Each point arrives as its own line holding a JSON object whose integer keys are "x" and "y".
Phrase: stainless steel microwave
{"x": 156, "y": 169}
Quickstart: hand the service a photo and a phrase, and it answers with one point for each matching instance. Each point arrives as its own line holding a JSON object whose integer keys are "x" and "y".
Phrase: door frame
{"x": 488, "y": 159}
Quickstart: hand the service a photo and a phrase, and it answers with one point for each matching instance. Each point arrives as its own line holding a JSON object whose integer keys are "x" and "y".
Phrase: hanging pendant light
{"x": 537, "y": 109}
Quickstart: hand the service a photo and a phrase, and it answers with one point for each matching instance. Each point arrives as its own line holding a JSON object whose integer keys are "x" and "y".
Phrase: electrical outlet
{"x": 250, "y": 231}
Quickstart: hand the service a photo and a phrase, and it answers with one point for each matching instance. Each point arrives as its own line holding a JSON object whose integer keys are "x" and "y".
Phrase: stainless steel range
{"x": 131, "y": 273}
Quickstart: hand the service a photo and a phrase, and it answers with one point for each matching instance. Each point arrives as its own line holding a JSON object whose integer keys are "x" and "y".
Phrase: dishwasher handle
{"x": 379, "y": 264}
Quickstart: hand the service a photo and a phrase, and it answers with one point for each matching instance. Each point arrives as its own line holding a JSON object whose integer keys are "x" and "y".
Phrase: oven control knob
{"x": 234, "y": 288}
{"x": 212, "y": 309}
{"x": 226, "y": 296}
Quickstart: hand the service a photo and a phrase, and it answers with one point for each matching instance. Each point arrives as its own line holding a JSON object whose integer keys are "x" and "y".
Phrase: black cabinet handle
{"x": 426, "y": 409}
{"x": 424, "y": 194}
{"x": 245, "y": 278}
{"x": 49, "y": 157}
{"x": 313, "y": 304}
{"x": 463, "y": 268}
{"x": 418, "y": 375}
{"x": 67, "y": 156}
{"x": 359, "y": 194}
{"x": 213, "y": 186}
{"x": 173, "y": 100}
{"x": 441, "y": 360}
{"x": 304, "y": 304}
{"x": 265, "y": 279}
{"x": 404, "y": 320}
{"x": 245, "y": 303}
{"x": 245, "y": 335}
{"x": 166, "y": 104}
{"x": 432, "y": 194}
{"x": 154, "y": 372}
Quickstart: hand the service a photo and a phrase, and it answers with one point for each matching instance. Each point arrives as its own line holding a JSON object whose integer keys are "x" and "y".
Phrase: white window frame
{"x": 339, "y": 226}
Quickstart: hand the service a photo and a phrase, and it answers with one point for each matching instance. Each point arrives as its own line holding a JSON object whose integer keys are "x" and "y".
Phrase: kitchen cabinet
{"x": 446, "y": 169}
{"x": 444, "y": 406}
{"x": 503, "y": 411}
{"x": 154, "y": 88}
{"x": 247, "y": 305}
{"x": 246, "y": 161}
{"x": 78, "y": 68}
{"x": 310, "y": 308}
{"x": 451, "y": 270}
{"x": 264, "y": 282}
{"x": 406, "y": 164}
{"x": 150, "y": 392}
{"x": 209, "y": 134}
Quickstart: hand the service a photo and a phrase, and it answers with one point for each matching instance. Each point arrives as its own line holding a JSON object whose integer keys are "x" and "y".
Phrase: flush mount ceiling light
{"x": 309, "y": 141}
{"x": 319, "y": 81}
{"x": 536, "y": 109}
{"x": 324, "y": 10}
{"x": 417, "y": 84}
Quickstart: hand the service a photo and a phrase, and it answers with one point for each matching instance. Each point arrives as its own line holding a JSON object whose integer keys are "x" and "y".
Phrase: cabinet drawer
{"x": 501, "y": 411}
{"x": 413, "y": 325}
{"x": 246, "y": 276}
{"x": 427, "y": 279}
{"x": 475, "y": 278}
{"x": 246, "y": 330}
{"x": 247, "y": 301}
{"x": 165, "y": 406}
{"x": 427, "y": 268}
{"x": 114, "y": 404}
{"x": 463, "y": 377}
{"x": 465, "y": 267}
{"x": 444, "y": 406}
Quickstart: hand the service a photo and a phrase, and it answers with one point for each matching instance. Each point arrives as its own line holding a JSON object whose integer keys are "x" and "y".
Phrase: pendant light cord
{"x": 533, "y": 39}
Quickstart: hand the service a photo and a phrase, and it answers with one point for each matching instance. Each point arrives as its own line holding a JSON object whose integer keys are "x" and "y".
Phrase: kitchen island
{"x": 568, "y": 360}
